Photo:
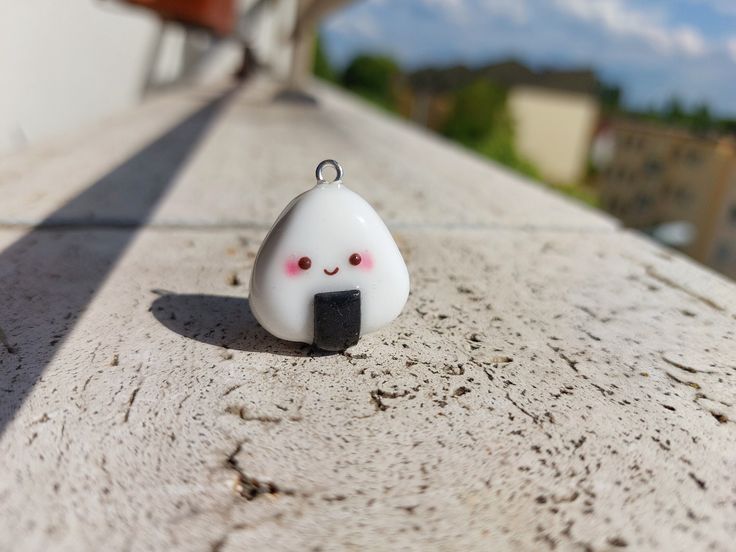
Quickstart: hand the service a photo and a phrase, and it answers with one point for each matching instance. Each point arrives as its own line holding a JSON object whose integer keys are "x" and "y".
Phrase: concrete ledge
{"x": 554, "y": 383}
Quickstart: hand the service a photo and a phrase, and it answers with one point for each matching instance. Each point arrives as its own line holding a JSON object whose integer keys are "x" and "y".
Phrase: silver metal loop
{"x": 328, "y": 163}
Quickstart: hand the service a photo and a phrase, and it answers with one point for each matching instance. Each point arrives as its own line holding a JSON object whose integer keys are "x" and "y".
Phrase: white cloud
{"x": 649, "y": 47}
{"x": 689, "y": 40}
{"x": 457, "y": 9}
{"x": 517, "y": 10}
{"x": 731, "y": 48}
{"x": 623, "y": 19}
{"x": 727, "y": 7}
{"x": 462, "y": 11}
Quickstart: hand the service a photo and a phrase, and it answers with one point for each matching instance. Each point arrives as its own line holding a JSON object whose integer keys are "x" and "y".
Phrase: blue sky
{"x": 654, "y": 48}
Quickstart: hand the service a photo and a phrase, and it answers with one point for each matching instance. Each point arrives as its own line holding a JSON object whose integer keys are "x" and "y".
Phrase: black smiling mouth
{"x": 331, "y": 273}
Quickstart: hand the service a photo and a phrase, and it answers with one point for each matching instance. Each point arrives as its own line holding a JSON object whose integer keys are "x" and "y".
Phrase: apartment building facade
{"x": 660, "y": 177}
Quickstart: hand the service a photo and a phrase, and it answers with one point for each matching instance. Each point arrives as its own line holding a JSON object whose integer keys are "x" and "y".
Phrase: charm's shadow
{"x": 223, "y": 321}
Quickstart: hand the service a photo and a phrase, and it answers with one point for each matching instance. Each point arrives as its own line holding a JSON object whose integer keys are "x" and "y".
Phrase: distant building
{"x": 555, "y": 112}
{"x": 553, "y": 129}
{"x": 678, "y": 186}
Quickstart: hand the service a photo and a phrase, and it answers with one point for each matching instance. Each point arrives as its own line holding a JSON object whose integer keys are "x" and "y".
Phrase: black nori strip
{"x": 337, "y": 319}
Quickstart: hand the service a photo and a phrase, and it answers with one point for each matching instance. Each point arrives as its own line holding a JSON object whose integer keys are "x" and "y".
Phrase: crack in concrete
{"x": 249, "y": 487}
{"x": 377, "y": 396}
{"x": 681, "y": 381}
{"x": 231, "y": 389}
{"x": 125, "y": 223}
{"x": 243, "y": 414}
{"x": 720, "y": 417}
{"x": 652, "y": 273}
{"x": 533, "y": 417}
{"x": 131, "y": 400}
{"x": 570, "y": 362}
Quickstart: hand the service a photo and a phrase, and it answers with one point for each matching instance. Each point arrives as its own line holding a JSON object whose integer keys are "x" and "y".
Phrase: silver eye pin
{"x": 328, "y": 163}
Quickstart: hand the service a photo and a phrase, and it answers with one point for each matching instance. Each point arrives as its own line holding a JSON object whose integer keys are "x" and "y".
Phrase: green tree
{"x": 477, "y": 107}
{"x": 700, "y": 119}
{"x": 322, "y": 67}
{"x": 372, "y": 77}
{"x": 610, "y": 96}
{"x": 727, "y": 125}
{"x": 674, "y": 112}
{"x": 480, "y": 120}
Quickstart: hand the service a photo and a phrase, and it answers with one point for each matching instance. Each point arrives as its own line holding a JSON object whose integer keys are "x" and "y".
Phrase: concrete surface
{"x": 554, "y": 383}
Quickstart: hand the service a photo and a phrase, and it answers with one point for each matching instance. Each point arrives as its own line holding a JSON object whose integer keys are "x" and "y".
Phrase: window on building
{"x": 723, "y": 254}
{"x": 644, "y": 203}
{"x": 680, "y": 195}
{"x": 693, "y": 157}
{"x": 652, "y": 167}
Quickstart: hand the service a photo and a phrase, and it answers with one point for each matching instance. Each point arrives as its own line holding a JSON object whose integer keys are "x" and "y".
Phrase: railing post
{"x": 309, "y": 14}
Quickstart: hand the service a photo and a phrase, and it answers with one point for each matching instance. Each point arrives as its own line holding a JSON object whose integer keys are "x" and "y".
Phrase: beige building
{"x": 555, "y": 112}
{"x": 553, "y": 130}
{"x": 662, "y": 178}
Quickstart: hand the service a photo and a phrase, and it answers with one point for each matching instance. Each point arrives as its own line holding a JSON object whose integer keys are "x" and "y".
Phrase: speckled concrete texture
{"x": 554, "y": 383}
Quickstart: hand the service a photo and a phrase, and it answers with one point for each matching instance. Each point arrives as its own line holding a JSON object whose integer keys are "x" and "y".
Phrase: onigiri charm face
{"x": 329, "y": 270}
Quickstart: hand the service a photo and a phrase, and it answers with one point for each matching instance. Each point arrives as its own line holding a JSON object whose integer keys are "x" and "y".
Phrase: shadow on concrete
{"x": 222, "y": 321}
{"x": 49, "y": 276}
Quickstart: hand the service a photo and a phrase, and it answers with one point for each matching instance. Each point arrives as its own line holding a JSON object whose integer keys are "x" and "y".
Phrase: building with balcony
{"x": 672, "y": 182}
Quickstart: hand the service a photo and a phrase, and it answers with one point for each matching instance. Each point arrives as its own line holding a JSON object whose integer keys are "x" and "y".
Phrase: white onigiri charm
{"x": 329, "y": 270}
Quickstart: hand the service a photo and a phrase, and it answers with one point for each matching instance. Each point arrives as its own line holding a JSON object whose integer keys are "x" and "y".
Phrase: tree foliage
{"x": 477, "y": 108}
{"x": 610, "y": 96}
{"x": 697, "y": 118}
{"x": 480, "y": 120}
{"x": 322, "y": 67}
{"x": 372, "y": 77}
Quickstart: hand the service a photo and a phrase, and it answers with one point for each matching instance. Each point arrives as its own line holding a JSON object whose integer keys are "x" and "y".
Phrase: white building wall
{"x": 67, "y": 63}
{"x": 64, "y": 64}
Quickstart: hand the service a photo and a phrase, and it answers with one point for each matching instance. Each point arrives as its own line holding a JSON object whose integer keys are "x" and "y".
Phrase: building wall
{"x": 66, "y": 63}
{"x": 553, "y": 130}
{"x": 660, "y": 175}
{"x": 721, "y": 248}
{"x": 631, "y": 184}
{"x": 693, "y": 188}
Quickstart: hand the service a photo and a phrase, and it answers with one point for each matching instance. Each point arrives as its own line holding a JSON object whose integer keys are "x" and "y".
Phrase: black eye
{"x": 355, "y": 259}
{"x": 305, "y": 263}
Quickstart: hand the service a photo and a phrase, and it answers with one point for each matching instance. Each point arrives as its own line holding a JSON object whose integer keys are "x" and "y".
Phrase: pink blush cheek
{"x": 291, "y": 268}
{"x": 367, "y": 261}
